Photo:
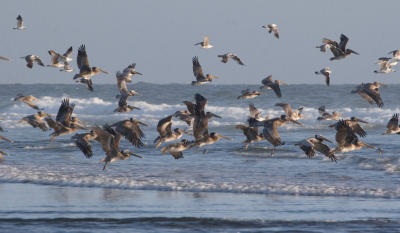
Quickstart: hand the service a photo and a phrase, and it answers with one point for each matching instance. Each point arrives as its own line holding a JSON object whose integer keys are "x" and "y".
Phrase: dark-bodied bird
{"x": 395, "y": 54}
{"x": 198, "y": 73}
{"x": 225, "y": 57}
{"x": 393, "y": 125}
{"x": 128, "y": 73}
{"x": 334, "y": 116}
{"x": 131, "y": 131}
{"x": 82, "y": 141}
{"x": 28, "y": 100}
{"x": 272, "y": 28}
{"x": 292, "y": 115}
{"x": 20, "y": 23}
{"x": 166, "y": 134}
{"x": 268, "y": 83}
{"x": 36, "y": 120}
{"x": 325, "y": 72}
{"x": 247, "y": 94}
{"x": 370, "y": 92}
{"x": 339, "y": 50}
{"x": 176, "y": 149}
{"x": 251, "y": 134}
{"x": 353, "y": 123}
{"x": 123, "y": 105}
{"x": 312, "y": 144}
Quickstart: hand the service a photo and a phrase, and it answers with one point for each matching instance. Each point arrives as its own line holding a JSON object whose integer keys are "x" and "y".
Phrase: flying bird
{"x": 27, "y": 100}
{"x": 251, "y": 134}
{"x": 166, "y": 134}
{"x": 370, "y": 92}
{"x": 128, "y": 73}
{"x": 292, "y": 115}
{"x": 82, "y": 141}
{"x": 328, "y": 116}
{"x": 225, "y": 57}
{"x": 323, "y": 47}
{"x": 176, "y": 149}
{"x": 339, "y": 50}
{"x": 312, "y": 144}
{"x": 353, "y": 123}
{"x": 36, "y": 120}
{"x": 131, "y": 131}
{"x": 325, "y": 72}
{"x": 32, "y": 58}
{"x": 204, "y": 44}
{"x": 395, "y": 54}
{"x": 385, "y": 65}
{"x": 268, "y": 83}
{"x": 247, "y": 94}
{"x": 58, "y": 60}
{"x": 272, "y": 28}
{"x": 198, "y": 73}
{"x": 393, "y": 125}
{"x": 20, "y": 23}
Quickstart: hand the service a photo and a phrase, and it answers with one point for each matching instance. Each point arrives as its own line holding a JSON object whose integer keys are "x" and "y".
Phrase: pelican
{"x": 20, "y": 23}
{"x": 225, "y": 57}
{"x": 347, "y": 140}
{"x": 110, "y": 141}
{"x": 325, "y": 72}
{"x": 339, "y": 50}
{"x": 127, "y": 73}
{"x": 58, "y": 60}
{"x": 247, "y": 94}
{"x": 131, "y": 131}
{"x": 385, "y": 66}
{"x": 4, "y": 58}
{"x": 176, "y": 149}
{"x": 256, "y": 114}
{"x": 370, "y": 92}
{"x": 36, "y": 120}
{"x": 323, "y": 47}
{"x": 123, "y": 105}
{"x": 211, "y": 139}
{"x": 270, "y": 131}
{"x": 393, "y": 125}
{"x": 185, "y": 116}
{"x": 268, "y": 83}
{"x": 32, "y": 58}
{"x": 292, "y": 115}
{"x": 204, "y": 44}
{"x": 28, "y": 100}
{"x": 328, "y": 116}
{"x": 353, "y": 123}
{"x": 82, "y": 141}
{"x": 251, "y": 134}
{"x": 312, "y": 144}
{"x": 395, "y": 54}
{"x": 272, "y": 28}
{"x": 1, "y": 156}
{"x": 85, "y": 71}
{"x": 198, "y": 73}
{"x": 166, "y": 134}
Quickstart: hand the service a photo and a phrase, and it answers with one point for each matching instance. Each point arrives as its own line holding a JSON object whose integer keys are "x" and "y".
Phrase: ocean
{"x": 51, "y": 187}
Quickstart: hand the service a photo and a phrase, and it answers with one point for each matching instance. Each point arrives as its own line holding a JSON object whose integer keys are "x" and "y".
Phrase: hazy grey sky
{"x": 159, "y": 37}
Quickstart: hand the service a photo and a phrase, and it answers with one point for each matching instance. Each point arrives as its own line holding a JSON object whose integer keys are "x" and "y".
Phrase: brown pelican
{"x": 225, "y": 57}
{"x": 123, "y": 105}
{"x": 36, "y": 120}
{"x": 292, "y": 115}
{"x": 270, "y": 131}
{"x": 20, "y": 23}
{"x": 393, "y": 125}
{"x": 334, "y": 116}
{"x": 251, "y": 134}
{"x": 200, "y": 124}
{"x": 339, "y": 50}
{"x": 353, "y": 123}
{"x": 32, "y": 58}
{"x": 204, "y": 44}
{"x": 58, "y": 60}
{"x": 4, "y": 58}
{"x": 110, "y": 141}
{"x": 127, "y": 73}
{"x": 268, "y": 83}
{"x": 176, "y": 149}
{"x": 395, "y": 54}
{"x": 166, "y": 134}
{"x": 272, "y": 28}
{"x": 370, "y": 92}
{"x": 28, "y": 100}
{"x": 347, "y": 140}
{"x": 312, "y": 144}
{"x": 82, "y": 141}
{"x": 256, "y": 114}
{"x": 323, "y": 47}
{"x": 131, "y": 131}
{"x": 85, "y": 71}
{"x": 385, "y": 66}
{"x": 211, "y": 139}
{"x": 198, "y": 73}
{"x": 325, "y": 72}
{"x": 247, "y": 94}
{"x": 185, "y": 115}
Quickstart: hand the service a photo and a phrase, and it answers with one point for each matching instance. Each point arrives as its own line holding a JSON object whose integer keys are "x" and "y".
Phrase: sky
{"x": 159, "y": 36}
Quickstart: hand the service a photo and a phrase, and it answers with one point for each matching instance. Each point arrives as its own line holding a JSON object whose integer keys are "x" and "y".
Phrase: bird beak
{"x": 104, "y": 71}
{"x": 136, "y": 155}
{"x": 215, "y": 115}
{"x": 362, "y": 121}
{"x": 226, "y": 138}
{"x": 142, "y": 123}
{"x": 138, "y": 73}
{"x": 296, "y": 122}
{"x": 355, "y": 52}
{"x": 324, "y": 138}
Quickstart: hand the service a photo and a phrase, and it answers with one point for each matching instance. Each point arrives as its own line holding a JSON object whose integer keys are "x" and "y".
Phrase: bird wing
{"x": 286, "y": 107}
{"x": 343, "y": 42}
{"x": 123, "y": 100}
{"x": 4, "y": 58}
{"x": 104, "y": 138}
{"x": 246, "y": 91}
{"x": 375, "y": 95}
{"x": 82, "y": 58}
{"x": 20, "y": 21}
{"x": 270, "y": 133}
{"x": 54, "y": 57}
{"x": 344, "y": 134}
{"x": 205, "y": 41}
{"x": 38, "y": 61}
{"x": 237, "y": 59}
{"x": 197, "y": 71}
{"x": 131, "y": 131}
{"x": 190, "y": 106}
{"x": 393, "y": 123}
{"x": 65, "y": 112}
{"x": 276, "y": 88}
{"x": 201, "y": 102}
{"x": 122, "y": 87}
{"x": 83, "y": 143}
{"x": 164, "y": 126}
{"x": 254, "y": 112}
{"x": 68, "y": 52}
{"x": 267, "y": 80}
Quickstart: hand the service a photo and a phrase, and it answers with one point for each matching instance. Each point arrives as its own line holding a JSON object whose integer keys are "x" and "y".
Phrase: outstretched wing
{"x": 82, "y": 58}
{"x": 197, "y": 71}
{"x": 65, "y": 112}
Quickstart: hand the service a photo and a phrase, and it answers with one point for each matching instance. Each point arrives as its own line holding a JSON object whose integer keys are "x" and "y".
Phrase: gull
{"x": 393, "y": 125}
{"x": 328, "y": 116}
{"x": 82, "y": 141}
{"x": 20, "y": 23}
{"x": 110, "y": 141}
{"x": 32, "y": 58}
{"x": 370, "y": 92}
{"x": 339, "y": 50}
{"x": 270, "y": 131}
{"x": 204, "y": 44}
{"x": 36, "y": 120}
{"x": 85, "y": 71}
{"x": 347, "y": 140}
{"x": 225, "y": 57}
{"x": 251, "y": 134}
{"x": 166, "y": 134}
{"x": 58, "y": 60}
{"x": 247, "y": 94}
{"x": 385, "y": 66}
{"x": 268, "y": 83}
{"x": 312, "y": 144}
{"x": 395, "y": 54}
{"x": 198, "y": 73}
{"x": 28, "y": 100}
{"x": 272, "y": 28}
{"x": 353, "y": 123}
{"x": 176, "y": 149}
{"x": 325, "y": 72}
{"x": 4, "y": 58}
{"x": 292, "y": 115}
{"x": 323, "y": 47}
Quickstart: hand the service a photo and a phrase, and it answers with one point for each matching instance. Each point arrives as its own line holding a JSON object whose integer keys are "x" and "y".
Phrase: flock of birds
{"x": 195, "y": 116}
